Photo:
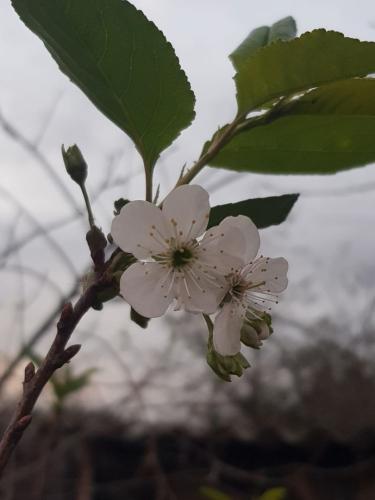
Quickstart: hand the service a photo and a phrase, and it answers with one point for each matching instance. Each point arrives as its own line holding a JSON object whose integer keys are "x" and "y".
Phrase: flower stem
{"x": 90, "y": 215}
{"x": 212, "y": 151}
{"x": 210, "y": 327}
{"x": 148, "y": 177}
{"x": 238, "y": 124}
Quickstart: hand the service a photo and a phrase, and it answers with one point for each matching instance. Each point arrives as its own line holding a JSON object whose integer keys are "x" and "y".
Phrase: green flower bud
{"x": 75, "y": 164}
{"x": 249, "y": 336}
{"x": 254, "y": 331}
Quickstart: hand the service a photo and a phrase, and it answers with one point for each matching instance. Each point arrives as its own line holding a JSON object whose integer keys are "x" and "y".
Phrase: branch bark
{"x": 34, "y": 381}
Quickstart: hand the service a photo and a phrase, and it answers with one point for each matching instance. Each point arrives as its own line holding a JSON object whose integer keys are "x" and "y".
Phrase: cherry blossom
{"x": 174, "y": 262}
{"x": 250, "y": 289}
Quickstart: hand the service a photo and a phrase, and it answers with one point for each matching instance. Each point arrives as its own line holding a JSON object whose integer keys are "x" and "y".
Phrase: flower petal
{"x": 199, "y": 292}
{"x": 227, "y": 330}
{"x": 140, "y": 229}
{"x": 217, "y": 262}
{"x": 189, "y": 207}
{"x": 272, "y": 271}
{"x": 146, "y": 287}
{"x": 234, "y": 236}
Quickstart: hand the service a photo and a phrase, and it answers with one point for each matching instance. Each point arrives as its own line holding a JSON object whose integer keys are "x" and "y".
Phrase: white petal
{"x": 140, "y": 229}
{"x": 145, "y": 287}
{"x": 216, "y": 261}
{"x": 189, "y": 207}
{"x": 272, "y": 271}
{"x": 234, "y": 236}
{"x": 197, "y": 292}
{"x": 227, "y": 330}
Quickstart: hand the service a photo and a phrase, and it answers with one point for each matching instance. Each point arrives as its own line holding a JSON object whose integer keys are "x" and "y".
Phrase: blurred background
{"x": 139, "y": 414}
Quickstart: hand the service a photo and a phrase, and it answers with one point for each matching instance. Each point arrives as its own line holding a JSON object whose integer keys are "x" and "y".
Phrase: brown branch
{"x": 37, "y": 335}
{"x": 34, "y": 381}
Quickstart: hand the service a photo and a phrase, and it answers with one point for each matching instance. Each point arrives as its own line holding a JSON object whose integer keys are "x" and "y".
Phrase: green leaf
{"x": 285, "y": 68}
{"x": 285, "y": 29}
{"x": 121, "y": 61}
{"x": 327, "y": 130}
{"x": 348, "y": 97}
{"x": 264, "y": 212}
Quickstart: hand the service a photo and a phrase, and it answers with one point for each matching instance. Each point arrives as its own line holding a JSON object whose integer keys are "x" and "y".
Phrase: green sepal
{"x": 225, "y": 366}
{"x": 137, "y": 318}
{"x": 216, "y": 366}
{"x": 118, "y": 204}
{"x": 109, "y": 292}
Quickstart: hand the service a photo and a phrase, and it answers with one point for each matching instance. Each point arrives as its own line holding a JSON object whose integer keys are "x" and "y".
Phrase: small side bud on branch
{"x": 75, "y": 164}
{"x": 23, "y": 423}
{"x": 71, "y": 351}
{"x": 29, "y": 372}
{"x": 65, "y": 357}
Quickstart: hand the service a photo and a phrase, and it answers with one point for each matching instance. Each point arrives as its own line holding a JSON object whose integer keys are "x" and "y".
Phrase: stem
{"x": 34, "y": 381}
{"x": 148, "y": 176}
{"x": 90, "y": 215}
{"x": 212, "y": 151}
{"x": 238, "y": 124}
{"x": 210, "y": 327}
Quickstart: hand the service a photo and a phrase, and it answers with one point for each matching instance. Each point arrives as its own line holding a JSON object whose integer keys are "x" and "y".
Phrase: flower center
{"x": 181, "y": 257}
{"x": 240, "y": 288}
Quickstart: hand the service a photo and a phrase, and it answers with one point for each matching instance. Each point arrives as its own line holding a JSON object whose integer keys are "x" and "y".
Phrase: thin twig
{"x": 38, "y": 333}
{"x": 34, "y": 381}
{"x": 217, "y": 144}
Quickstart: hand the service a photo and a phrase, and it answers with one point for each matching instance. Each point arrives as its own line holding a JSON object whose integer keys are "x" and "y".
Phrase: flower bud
{"x": 75, "y": 164}
{"x": 249, "y": 336}
{"x": 263, "y": 331}
{"x": 254, "y": 331}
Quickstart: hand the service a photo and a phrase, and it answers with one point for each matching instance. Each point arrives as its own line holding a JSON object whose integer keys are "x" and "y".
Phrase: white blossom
{"x": 174, "y": 261}
{"x": 251, "y": 289}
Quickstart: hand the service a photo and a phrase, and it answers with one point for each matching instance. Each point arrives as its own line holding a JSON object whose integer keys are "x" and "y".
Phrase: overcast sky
{"x": 329, "y": 238}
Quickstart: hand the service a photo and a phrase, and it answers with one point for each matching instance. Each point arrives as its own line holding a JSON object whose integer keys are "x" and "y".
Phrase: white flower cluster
{"x": 202, "y": 271}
